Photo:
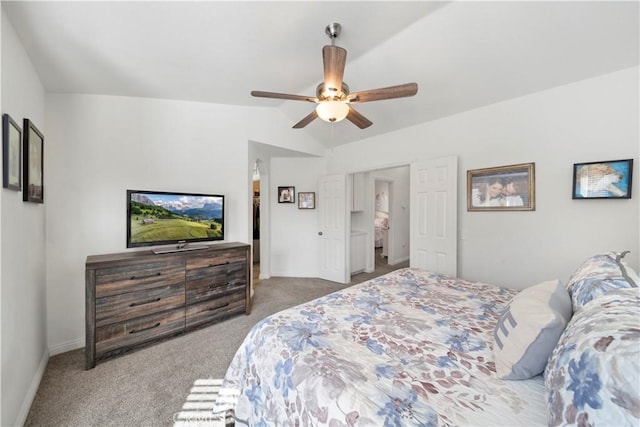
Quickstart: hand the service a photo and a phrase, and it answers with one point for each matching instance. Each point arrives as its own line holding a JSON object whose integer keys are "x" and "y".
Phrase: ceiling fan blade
{"x": 308, "y": 119}
{"x": 358, "y": 119}
{"x": 334, "y": 59}
{"x": 399, "y": 91}
{"x": 261, "y": 94}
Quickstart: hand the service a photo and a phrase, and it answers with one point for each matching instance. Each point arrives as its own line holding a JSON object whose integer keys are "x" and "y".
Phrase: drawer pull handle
{"x": 214, "y": 286}
{"x": 134, "y": 304}
{"x": 135, "y": 331}
{"x": 146, "y": 277}
{"x": 215, "y": 265}
{"x": 215, "y": 308}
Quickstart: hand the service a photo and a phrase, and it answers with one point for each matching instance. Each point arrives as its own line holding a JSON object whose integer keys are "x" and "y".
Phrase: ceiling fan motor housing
{"x": 324, "y": 93}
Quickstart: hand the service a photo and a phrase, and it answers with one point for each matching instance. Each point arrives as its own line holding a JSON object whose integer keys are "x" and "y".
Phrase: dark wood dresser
{"x": 134, "y": 298}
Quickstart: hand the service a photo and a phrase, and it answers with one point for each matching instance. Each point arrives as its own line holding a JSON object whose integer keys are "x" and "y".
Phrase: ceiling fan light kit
{"x": 332, "y": 111}
{"x": 332, "y": 95}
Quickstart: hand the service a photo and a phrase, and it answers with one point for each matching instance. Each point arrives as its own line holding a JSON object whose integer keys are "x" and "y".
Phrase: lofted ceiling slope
{"x": 463, "y": 55}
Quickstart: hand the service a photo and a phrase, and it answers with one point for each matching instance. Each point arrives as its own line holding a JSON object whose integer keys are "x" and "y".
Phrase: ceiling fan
{"x": 332, "y": 95}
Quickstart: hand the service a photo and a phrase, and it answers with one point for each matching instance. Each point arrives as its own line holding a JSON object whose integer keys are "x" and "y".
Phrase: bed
{"x": 408, "y": 348}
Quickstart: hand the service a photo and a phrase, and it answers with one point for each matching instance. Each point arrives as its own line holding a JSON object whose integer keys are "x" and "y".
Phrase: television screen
{"x": 159, "y": 218}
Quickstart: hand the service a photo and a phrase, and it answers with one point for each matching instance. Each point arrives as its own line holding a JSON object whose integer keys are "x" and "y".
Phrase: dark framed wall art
{"x": 609, "y": 179}
{"x": 12, "y": 154}
{"x": 33, "y": 153}
{"x": 502, "y": 188}
{"x": 286, "y": 194}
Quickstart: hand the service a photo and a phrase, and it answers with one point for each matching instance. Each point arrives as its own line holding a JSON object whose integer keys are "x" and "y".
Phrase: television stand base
{"x": 179, "y": 248}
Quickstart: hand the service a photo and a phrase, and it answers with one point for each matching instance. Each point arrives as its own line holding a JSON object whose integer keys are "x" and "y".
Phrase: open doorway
{"x": 380, "y": 239}
{"x": 390, "y": 213}
{"x": 381, "y": 221}
{"x": 422, "y": 219}
{"x": 256, "y": 225}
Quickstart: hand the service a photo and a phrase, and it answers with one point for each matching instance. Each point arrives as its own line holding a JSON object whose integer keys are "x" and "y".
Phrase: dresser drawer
{"x": 204, "y": 293}
{"x": 136, "y": 331}
{"x": 234, "y": 273}
{"x": 118, "y": 308}
{"x": 137, "y": 277}
{"x": 216, "y": 309}
{"x": 217, "y": 258}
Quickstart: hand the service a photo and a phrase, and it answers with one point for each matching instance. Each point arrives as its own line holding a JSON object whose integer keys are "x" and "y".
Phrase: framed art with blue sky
{"x": 609, "y": 179}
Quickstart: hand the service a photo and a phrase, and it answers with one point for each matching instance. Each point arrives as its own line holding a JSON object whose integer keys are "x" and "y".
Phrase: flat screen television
{"x": 157, "y": 218}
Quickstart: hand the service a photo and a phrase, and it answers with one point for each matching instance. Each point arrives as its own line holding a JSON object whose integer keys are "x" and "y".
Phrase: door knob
{"x": 319, "y": 233}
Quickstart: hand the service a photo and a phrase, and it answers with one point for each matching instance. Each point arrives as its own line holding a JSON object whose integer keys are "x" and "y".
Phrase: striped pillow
{"x": 529, "y": 329}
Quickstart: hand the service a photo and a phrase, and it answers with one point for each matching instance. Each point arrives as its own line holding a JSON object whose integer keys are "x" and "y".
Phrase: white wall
{"x": 263, "y": 153}
{"x": 22, "y": 292}
{"x": 294, "y": 232}
{"x": 590, "y": 120}
{"x": 101, "y": 146}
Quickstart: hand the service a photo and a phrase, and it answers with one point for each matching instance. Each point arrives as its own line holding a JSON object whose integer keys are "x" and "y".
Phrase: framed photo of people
{"x": 502, "y": 188}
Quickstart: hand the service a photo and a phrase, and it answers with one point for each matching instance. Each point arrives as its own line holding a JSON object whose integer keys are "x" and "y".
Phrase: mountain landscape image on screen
{"x": 167, "y": 218}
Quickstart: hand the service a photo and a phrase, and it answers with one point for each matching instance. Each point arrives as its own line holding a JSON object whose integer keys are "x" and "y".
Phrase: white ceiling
{"x": 463, "y": 55}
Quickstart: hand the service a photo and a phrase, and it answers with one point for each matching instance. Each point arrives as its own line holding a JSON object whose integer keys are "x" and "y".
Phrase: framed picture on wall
{"x": 306, "y": 200}
{"x": 609, "y": 179}
{"x": 33, "y": 146}
{"x": 503, "y": 188}
{"x": 12, "y": 154}
{"x": 286, "y": 194}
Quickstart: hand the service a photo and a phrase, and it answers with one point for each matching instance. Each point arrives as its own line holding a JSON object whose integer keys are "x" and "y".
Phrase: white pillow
{"x": 529, "y": 329}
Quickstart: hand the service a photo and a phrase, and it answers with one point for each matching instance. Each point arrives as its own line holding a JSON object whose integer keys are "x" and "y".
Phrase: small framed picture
{"x": 609, "y": 179}
{"x": 286, "y": 195}
{"x": 33, "y": 190}
{"x": 306, "y": 200}
{"x": 503, "y": 188}
{"x": 12, "y": 154}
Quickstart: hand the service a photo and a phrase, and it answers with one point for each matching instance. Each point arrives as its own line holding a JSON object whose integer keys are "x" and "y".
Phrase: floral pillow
{"x": 599, "y": 275}
{"x": 593, "y": 375}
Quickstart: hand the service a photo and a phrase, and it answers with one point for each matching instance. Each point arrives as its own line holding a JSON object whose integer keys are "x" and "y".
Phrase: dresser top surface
{"x": 149, "y": 255}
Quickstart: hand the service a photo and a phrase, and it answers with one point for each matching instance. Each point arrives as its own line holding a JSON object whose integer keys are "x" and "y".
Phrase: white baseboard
{"x": 67, "y": 346}
{"x": 398, "y": 261}
{"x": 32, "y": 390}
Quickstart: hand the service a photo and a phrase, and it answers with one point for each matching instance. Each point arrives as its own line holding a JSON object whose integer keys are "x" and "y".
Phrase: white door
{"x": 433, "y": 242}
{"x": 332, "y": 230}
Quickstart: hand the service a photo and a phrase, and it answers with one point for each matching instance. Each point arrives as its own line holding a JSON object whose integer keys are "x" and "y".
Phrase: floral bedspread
{"x": 407, "y": 348}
